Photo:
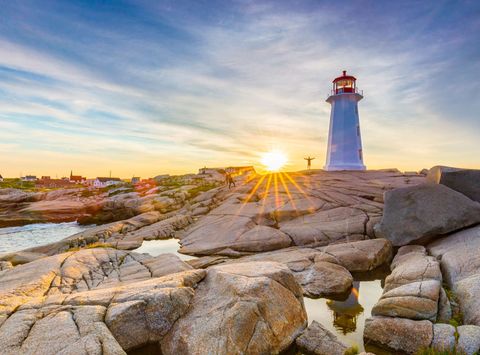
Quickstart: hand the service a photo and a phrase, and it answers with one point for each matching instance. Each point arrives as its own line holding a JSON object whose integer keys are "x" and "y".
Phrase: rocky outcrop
{"x": 443, "y": 337}
{"x": 316, "y": 340}
{"x": 399, "y": 334}
{"x": 243, "y": 308}
{"x": 465, "y": 181}
{"x": 312, "y": 210}
{"x": 418, "y": 213}
{"x": 110, "y": 301}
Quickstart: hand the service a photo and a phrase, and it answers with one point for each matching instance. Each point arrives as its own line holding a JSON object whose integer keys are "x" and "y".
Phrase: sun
{"x": 274, "y": 160}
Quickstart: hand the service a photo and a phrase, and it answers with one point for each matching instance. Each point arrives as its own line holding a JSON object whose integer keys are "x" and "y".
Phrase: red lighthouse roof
{"x": 344, "y": 77}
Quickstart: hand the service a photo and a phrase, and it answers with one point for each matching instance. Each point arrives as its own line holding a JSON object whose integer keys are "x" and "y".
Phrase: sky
{"x": 151, "y": 87}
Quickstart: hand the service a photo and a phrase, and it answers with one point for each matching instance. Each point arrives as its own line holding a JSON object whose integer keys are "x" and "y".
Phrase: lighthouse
{"x": 344, "y": 151}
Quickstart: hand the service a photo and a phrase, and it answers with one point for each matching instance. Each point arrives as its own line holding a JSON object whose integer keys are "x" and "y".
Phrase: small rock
{"x": 399, "y": 334}
{"x": 317, "y": 340}
{"x": 468, "y": 339}
{"x": 443, "y": 337}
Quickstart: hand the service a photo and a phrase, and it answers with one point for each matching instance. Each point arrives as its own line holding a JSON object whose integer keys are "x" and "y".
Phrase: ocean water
{"x": 156, "y": 247}
{"x": 32, "y": 235}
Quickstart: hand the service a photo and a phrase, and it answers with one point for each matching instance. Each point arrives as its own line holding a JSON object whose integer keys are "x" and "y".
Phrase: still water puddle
{"x": 157, "y": 247}
{"x": 346, "y": 319}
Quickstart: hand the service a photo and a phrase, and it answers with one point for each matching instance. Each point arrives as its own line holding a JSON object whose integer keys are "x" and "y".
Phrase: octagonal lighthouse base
{"x": 344, "y": 167}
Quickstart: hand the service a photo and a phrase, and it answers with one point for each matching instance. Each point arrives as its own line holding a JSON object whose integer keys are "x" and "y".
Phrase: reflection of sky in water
{"x": 321, "y": 310}
{"x": 32, "y": 235}
{"x": 156, "y": 247}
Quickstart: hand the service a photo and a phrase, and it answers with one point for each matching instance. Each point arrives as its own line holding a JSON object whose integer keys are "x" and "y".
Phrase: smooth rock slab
{"x": 399, "y": 334}
{"x": 364, "y": 255}
{"x": 325, "y": 227}
{"x": 241, "y": 308}
{"x": 418, "y": 213}
{"x": 316, "y": 340}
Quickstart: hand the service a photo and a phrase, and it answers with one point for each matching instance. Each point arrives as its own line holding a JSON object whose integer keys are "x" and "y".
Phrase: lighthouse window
{"x": 360, "y": 155}
{"x": 358, "y": 131}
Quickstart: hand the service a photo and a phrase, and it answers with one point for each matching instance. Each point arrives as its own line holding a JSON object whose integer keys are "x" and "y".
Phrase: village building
{"x": 101, "y": 182}
{"x": 78, "y": 179}
{"x": 29, "y": 178}
{"x": 135, "y": 180}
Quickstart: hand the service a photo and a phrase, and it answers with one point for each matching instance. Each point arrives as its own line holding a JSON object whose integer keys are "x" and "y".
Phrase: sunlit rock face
{"x": 312, "y": 209}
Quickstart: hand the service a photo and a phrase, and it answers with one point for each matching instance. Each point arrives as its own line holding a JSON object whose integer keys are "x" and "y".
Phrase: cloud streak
{"x": 156, "y": 87}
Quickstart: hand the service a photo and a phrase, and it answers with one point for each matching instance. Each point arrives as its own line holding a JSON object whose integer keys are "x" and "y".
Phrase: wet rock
{"x": 317, "y": 340}
{"x": 242, "y": 308}
{"x": 443, "y": 337}
{"x": 399, "y": 334}
{"x": 421, "y": 212}
{"x": 465, "y": 181}
{"x": 468, "y": 339}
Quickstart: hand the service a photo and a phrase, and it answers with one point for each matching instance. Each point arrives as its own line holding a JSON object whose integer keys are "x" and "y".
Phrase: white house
{"x": 29, "y": 178}
{"x": 100, "y": 182}
{"x": 344, "y": 151}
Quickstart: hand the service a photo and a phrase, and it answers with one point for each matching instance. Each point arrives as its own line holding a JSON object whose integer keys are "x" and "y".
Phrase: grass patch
{"x": 353, "y": 350}
{"x": 194, "y": 192}
{"x": 91, "y": 246}
{"x": 433, "y": 351}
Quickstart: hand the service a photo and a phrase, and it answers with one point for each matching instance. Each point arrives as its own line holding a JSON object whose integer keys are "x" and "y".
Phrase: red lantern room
{"x": 343, "y": 84}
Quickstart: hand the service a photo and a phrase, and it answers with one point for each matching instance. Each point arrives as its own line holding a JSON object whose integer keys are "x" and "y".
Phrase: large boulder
{"x": 242, "y": 308}
{"x": 443, "y": 337}
{"x": 418, "y": 213}
{"x": 317, "y": 340}
{"x": 399, "y": 334}
{"x": 465, "y": 181}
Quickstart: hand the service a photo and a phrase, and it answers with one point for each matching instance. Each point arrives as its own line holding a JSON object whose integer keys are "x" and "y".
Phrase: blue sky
{"x": 149, "y": 87}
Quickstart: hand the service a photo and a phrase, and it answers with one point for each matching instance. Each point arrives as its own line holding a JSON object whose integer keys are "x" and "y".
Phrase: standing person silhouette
{"x": 229, "y": 180}
{"x": 309, "y": 162}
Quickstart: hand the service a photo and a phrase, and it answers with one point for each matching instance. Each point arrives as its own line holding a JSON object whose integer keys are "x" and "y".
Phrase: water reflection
{"x": 346, "y": 318}
{"x": 345, "y": 313}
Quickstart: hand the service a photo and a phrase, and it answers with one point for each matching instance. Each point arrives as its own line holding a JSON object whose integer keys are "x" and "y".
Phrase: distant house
{"x": 29, "y": 178}
{"x": 135, "y": 180}
{"x": 100, "y": 182}
{"x": 45, "y": 178}
{"x": 78, "y": 179}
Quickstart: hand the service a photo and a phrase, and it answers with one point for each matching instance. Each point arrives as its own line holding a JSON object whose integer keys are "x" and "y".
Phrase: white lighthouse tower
{"x": 344, "y": 150}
